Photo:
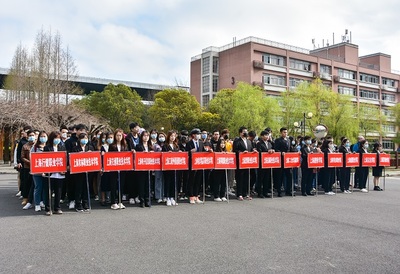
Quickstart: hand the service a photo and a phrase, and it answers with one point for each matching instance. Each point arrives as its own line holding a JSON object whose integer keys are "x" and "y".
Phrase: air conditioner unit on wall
{"x": 316, "y": 74}
{"x": 325, "y": 76}
{"x": 258, "y": 64}
{"x": 259, "y": 84}
{"x": 384, "y": 87}
{"x": 336, "y": 78}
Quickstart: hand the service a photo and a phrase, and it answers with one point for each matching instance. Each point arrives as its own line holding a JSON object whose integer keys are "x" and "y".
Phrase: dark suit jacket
{"x": 305, "y": 150}
{"x": 140, "y": 147}
{"x": 239, "y": 145}
{"x": 60, "y": 147}
{"x": 264, "y": 147}
{"x": 190, "y": 145}
{"x": 282, "y": 145}
{"x": 130, "y": 142}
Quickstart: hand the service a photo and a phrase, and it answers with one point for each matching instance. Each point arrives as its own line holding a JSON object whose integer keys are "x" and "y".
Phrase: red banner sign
{"x": 335, "y": 159}
{"x": 271, "y": 160}
{"x": 48, "y": 162}
{"x": 352, "y": 160}
{"x": 291, "y": 159}
{"x": 175, "y": 161}
{"x": 202, "y": 160}
{"x": 384, "y": 159}
{"x": 316, "y": 160}
{"x": 80, "y": 162}
{"x": 115, "y": 161}
{"x": 225, "y": 160}
{"x": 248, "y": 160}
{"x": 368, "y": 159}
{"x": 146, "y": 161}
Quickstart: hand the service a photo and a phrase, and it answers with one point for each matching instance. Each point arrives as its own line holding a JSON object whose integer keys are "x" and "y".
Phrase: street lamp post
{"x": 305, "y": 116}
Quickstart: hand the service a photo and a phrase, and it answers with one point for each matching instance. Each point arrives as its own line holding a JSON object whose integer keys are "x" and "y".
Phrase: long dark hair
{"x": 141, "y": 138}
{"x": 53, "y": 135}
{"x": 167, "y": 140}
{"x": 38, "y": 139}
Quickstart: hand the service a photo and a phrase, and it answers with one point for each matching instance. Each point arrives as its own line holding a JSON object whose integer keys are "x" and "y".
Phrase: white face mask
{"x": 64, "y": 135}
{"x": 198, "y": 136}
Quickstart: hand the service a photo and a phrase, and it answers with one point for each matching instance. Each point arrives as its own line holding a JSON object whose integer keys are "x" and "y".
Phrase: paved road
{"x": 349, "y": 233}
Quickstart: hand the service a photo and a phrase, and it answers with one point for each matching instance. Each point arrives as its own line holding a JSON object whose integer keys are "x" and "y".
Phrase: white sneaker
{"x": 198, "y": 201}
{"x": 18, "y": 194}
{"x": 332, "y": 193}
{"x": 159, "y": 201}
{"x": 121, "y": 206}
{"x": 114, "y": 206}
{"x": 123, "y": 197}
{"x": 27, "y": 206}
{"x": 131, "y": 201}
{"x": 72, "y": 205}
{"x": 41, "y": 204}
{"x": 169, "y": 202}
{"x": 61, "y": 201}
{"x": 224, "y": 199}
{"x": 164, "y": 200}
{"x": 96, "y": 198}
{"x": 364, "y": 190}
{"x": 218, "y": 200}
{"x": 347, "y": 191}
{"x": 38, "y": 208}
{"x": 329, "y": 193}
{"x": 173, "y": 202}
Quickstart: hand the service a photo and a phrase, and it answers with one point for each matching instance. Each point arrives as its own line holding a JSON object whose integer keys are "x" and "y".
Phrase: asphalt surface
{"x": 346, "y": 233}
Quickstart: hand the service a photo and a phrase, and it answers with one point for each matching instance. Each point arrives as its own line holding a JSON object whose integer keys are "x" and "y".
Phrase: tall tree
{"x": 118, "y": 104}
{"x": 175, "y": 109}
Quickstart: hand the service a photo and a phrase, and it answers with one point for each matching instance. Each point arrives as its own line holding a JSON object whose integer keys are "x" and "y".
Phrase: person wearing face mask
{"x": 17, "y": 157}
{"x": 56, "y": 179}
{"x": 159, "y": 175}
{"x": 195, "y": 176}
{"x": 283, "y": 144}
{"x": 41, "y": 187}
{"x": 327, "y": 175}
{"x": 345, "y": 172}
{"x": 27, "y": 181}
{"x": 171, "y": 144}
{"x": 219, "y": 179}
{"x": 64, "y": 134}
{"x": 106, "y": 177}
{"x": 242, "y": 144}
{"x": 119, "y": 144}
{"x": 363, "y": 171}
{"x": 207, "y": 173}
{"x": 182, "y": 175}
{"x": 306, "y": 172}
{"x": 377, "y": 170}
{"x": 153, "y": 137}
{"x": 263, "y": 187}
{"x": 96, "y": 142}
{"x": 132, "y": 140}
{"x": 81, "y": 192}
{"x": 70, "y": 144}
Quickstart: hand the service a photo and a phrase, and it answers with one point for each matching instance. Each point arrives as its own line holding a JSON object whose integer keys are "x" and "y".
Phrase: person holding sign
{"x": 306, "y": 173}
{"x": 27, "y": 181}
{"x": 106, "y": 177}
{"x": 171, "y": 144}
{"x": 81, "y": 191}
{"x": 219, "y": 178}
{"x": 195, "y": 176}
{"x": 264, "y": 174}
{"x": 142, "y": 176}
{"x": 377, "y": 170}
{"x": 327, "y": 174}
{"x": 119, "y": 144}
{"x": 344, "y": 171}
{"x": 56, "y": 179}
{"x": 41, "y": 187}
{"x": 283, "y": 144}
{"x": 363, "y": 171}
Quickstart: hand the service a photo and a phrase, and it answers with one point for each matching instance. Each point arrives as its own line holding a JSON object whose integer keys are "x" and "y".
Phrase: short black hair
{"x": 264, "y": 132}
{"x": 242, "y": 128}
{"x": 80, "y": 127}
{"x": 63, "y": 127}
{"x": 252, "y": 133}
{"x": 282, "y": 129}
{"x": 133, "y": 125}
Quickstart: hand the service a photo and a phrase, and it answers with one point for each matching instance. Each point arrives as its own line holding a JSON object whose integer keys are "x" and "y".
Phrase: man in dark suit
{"x": 264, "y": 174}
{"x": 282, "y": 144}
{"x": 131, "y": 187}
{"x": 242, "y": 144}
{"x": 195, "y": 177}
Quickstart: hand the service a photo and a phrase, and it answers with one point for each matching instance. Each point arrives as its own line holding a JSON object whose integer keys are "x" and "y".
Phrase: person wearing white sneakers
{"x": 363, "y": 171}
{"x": 26, "y": 179}
{"x": 219, "y": 176}
{"x": 41, "y": 186}
{"x": 144, "y": 145}
{"x": 170, "y": 145}
{"x": 345, "y": 171}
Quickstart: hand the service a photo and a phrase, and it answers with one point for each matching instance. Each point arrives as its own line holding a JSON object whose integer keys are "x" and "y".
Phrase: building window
{"x": 388, "y": 97}
{"x": 294, "y": 82}
{"x": 206, "y": 65}
{"x": 206, "y": 84}
{"x": 215, "y": 64}
{"x": 369, "y": 94}
{"x": 274, "y": 80}
{"x": 389, "y": 128}
{"x": 347, "y": 90}
{"x": 325, "y": 69}
{"x": 215, "y": 84}
{"x": 388, "y": 82}
{"x": 274, "y": 60}
{"x": 388, "y": 113}
{"x": 348, "y": 74}
{"x": 300, "y": 65}
{"x": 369, "y": 78}
{"x": 206, "y": 100}
{"x": 388, "y": 144}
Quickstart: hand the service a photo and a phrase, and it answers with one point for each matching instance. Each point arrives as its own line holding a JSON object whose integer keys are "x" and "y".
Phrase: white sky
{"x": 152, "y": 41}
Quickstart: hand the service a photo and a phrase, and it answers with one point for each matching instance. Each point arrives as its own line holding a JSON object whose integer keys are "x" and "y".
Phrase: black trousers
{"x": 81, "y": 191}
{"x": 242, "y": 182}
{"x": 279, "y": 175}
{"x": 345, "y": 178}
{"x": 56, "y": 186}
{"x": 26, "y": 182}
{"x": 144, "y": 184}
{"x": 264, "y": 181}
{"x": 362, "y": 177}
{"x": 195, "y": 180}
{"x": 114, "y": 188}
{"x": 327, "y": 177}
{"x": 219, "y": 183}
{"x": 70, "y": 182}
{"x": 306, "y": 180}
{"x": 169, "y": 183}
{"x": 132, "y": 187}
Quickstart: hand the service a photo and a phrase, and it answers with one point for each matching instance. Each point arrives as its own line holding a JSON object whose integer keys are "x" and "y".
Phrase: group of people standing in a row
{"x": 139, "y": 187}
